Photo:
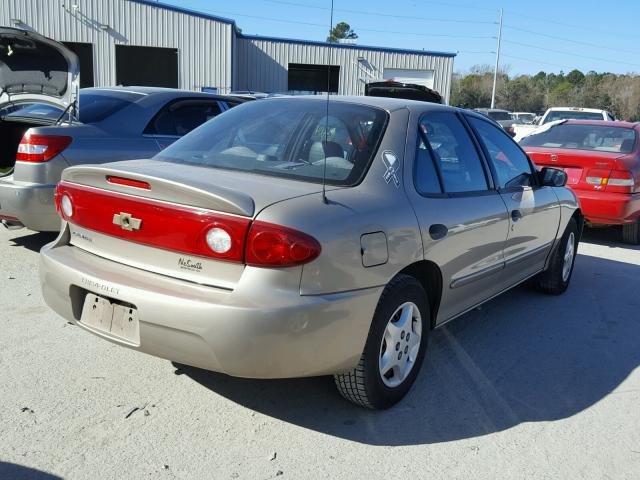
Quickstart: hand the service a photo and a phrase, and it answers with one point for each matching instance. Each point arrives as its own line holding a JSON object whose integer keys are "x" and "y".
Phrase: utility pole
{"x": 495, "y": 70}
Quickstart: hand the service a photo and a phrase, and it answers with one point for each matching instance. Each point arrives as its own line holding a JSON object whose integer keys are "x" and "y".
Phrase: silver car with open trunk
{"x": 295, "y": 237}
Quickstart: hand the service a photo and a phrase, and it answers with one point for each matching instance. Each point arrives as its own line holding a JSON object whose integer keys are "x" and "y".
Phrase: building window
{"x": 84, "y": 51}
{"x": 313, "y": 78}
{"x": 146, "y": 66}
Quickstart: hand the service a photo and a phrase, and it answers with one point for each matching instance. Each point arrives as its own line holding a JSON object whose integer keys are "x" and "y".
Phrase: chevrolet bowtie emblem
{"x": 126, "y": 221}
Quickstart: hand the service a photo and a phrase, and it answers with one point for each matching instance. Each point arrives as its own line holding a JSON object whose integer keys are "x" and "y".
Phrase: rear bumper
{"x": 30, "y": 203}
{"x": 609, "y": 208}
{"x": 245, "y": 332}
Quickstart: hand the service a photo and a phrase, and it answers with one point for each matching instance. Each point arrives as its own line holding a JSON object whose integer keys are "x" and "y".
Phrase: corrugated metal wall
{"x": 262, "y": 64}
{"x": 209, "y": 52}
{"x": 205, "y": 54}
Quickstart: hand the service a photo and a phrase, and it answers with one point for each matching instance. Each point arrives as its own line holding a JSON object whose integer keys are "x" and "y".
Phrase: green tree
{"x": 341, "y": 31}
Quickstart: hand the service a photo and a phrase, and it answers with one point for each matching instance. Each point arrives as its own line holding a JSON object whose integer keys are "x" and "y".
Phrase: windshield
{"x": 525, "y": 117}
{"x": 499, "y": 115}
{"x": 287, "y": 138}
{"x": 584, "y": 137}
{"x": 572, "y": 115}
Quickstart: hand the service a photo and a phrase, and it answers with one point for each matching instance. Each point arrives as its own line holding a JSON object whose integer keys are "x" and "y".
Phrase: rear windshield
{"x": 95, "y": 107}
{"x": 499, "y": 115}
{"x": 288, "y": 138}
{"x": 34, "y": 110}
{"x": 584, "y": 137}
{"x": 572, "y": 115}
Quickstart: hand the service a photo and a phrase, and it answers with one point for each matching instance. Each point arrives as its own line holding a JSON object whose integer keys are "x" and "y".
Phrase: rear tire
{"x": 395, "y": 347}
{"x": 631, "y": 233}
{"x": 555, "y": 279}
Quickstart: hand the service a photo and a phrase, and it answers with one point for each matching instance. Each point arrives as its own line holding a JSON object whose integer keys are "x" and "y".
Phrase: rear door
{"x": 179, "y": 117}
{"x": 463, "y": 220}
{"x": 534, "y": 211}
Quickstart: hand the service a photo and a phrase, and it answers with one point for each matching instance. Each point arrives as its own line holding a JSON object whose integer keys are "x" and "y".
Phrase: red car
{"x": 602, "y": 163}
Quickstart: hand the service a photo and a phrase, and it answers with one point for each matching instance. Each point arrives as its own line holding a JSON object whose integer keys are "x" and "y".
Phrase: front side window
{"x": 511, "y": 164}
{"x": 445, "y": 142}
{"x": 288, "y": 138}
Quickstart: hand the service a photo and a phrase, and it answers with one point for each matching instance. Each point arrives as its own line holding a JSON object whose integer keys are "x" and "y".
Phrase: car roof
{"x": 147, "y": 91}
{"x": 576, "y": 109}
{"x": 491, "y": 110}
{"x": 385, "y": 103}
{"x": 602, "y": 123}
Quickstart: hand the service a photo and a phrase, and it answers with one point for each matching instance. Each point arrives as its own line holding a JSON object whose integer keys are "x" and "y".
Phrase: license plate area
{"x": 111, "y": 318}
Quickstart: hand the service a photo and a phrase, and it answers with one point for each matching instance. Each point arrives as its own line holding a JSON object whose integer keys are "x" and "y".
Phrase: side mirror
{"x": 552, "y": 177}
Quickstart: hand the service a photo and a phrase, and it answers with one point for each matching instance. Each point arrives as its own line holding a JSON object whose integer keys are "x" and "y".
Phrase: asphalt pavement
{"x": 528, "y": 386}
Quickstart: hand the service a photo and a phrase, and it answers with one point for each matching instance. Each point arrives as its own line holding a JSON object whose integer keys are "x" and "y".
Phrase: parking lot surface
{"x": 527, "y": 386}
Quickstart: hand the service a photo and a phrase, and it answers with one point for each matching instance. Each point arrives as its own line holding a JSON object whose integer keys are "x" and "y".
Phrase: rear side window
{"x": 179, "y": 118}
{"x": 511, "y": 164}
{"x": 95, "y": 107}
{"x": 287, "y": 138}
{"x": 445, "y": 143}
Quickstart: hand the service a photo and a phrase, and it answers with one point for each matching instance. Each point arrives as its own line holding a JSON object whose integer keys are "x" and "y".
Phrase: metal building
{"x": 143, "y": 42}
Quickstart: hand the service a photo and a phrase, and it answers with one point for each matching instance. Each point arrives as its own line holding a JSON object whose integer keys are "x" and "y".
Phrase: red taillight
{"x": 184, "y": 229}
{"x": 128, "y": 182}
{"x": 41, "y": 148}
{"x": 164, "y": 225}
{"x": 271, "y": 245}
{"x": 614, "y": 181}
{"x": 620, "y": 181}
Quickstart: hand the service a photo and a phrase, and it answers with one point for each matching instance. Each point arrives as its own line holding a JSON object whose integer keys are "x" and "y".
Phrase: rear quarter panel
{"x": 372, "y": 206}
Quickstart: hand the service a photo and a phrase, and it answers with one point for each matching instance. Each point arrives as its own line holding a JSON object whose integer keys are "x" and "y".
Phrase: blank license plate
{"x": 117, "y": 320}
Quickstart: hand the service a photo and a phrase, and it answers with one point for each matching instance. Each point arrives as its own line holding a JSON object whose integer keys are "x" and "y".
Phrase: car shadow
{"x": 20, "y": 472}
{"x": 34, "y": 241}
{"x": 607, "y": 237}
{"x": 522, "y": 357}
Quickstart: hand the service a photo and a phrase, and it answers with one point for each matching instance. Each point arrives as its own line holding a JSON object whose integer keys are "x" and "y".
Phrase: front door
{"x": 463, "y": 220}
{"x": 534, "y": 212}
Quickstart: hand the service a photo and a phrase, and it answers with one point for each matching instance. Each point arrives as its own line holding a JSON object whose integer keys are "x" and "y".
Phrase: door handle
{"x": 516, "y": 215}
{"x": 438, "y": 231}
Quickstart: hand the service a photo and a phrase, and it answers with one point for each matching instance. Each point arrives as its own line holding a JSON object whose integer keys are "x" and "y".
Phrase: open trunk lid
{"x": 155, "y": 215}
{"x": 34, "y": 68}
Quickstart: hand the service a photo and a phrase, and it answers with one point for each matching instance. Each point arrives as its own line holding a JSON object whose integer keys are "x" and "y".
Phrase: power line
{"x": 569, "y": 40}
{"x": 564, "y": 67}
{"x": 564, "y": 52}
{"x": 363, "y": 29}
{"x": 582, "y": 27}
{"x": 385, "y": 15}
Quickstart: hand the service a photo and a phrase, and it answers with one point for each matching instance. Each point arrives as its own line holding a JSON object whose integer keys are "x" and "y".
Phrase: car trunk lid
{"x": 579, "y": 165}
{"x": 155, "y": 215}
{"x": 34, "y": 68}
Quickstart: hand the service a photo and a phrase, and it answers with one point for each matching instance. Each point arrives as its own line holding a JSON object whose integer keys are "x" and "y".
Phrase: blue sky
{"x": 550, "y": 35}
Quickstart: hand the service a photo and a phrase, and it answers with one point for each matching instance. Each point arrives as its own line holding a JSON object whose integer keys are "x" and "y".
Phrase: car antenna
{"x": 326, "y": 126}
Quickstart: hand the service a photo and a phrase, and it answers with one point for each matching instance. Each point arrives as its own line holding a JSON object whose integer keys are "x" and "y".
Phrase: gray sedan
{"x": 295, "y": 237}
{"x": 112, "y": 124}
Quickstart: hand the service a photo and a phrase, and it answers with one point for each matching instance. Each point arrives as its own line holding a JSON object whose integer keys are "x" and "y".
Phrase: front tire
{"x": 555, "y": 279}
{"x": 395, "y": 347}
{"x": 631, "y": 233}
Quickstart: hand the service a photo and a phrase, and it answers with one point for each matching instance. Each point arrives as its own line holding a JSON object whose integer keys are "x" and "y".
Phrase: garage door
{"x": 84, "y": 51}
{"x": 419, "y": 77}
{"x": 146, "y": 66}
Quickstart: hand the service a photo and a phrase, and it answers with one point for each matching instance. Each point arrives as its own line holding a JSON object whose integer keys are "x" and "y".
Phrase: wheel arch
{"x": 430, "y": 277}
